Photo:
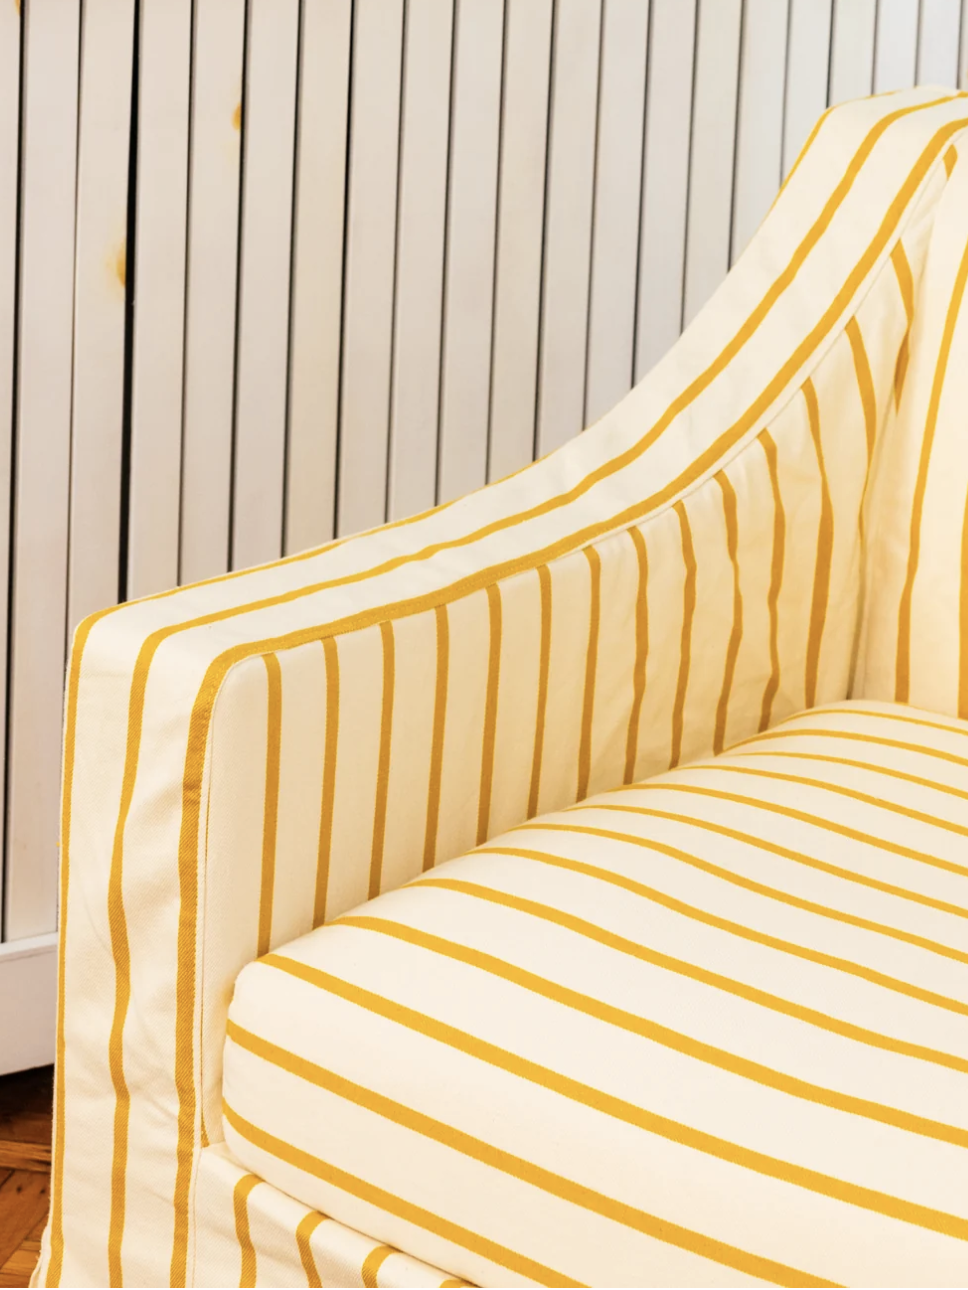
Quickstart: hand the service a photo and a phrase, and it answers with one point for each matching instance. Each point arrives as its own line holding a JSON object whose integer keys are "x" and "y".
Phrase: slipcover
{"x": 711, "y": 1029}
{"x": 248, "y": 758}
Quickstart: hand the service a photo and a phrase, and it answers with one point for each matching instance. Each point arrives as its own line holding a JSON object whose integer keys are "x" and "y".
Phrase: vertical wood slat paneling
{"x": 759, "y": 125}
{"x": 807, "y": 73}
{"x": 568, "y": 218}
{"x": 465, "y": 375}
{"x": 10, "y": 26}
{"x": 711, "y": 159}
{"x": 665, "y": 185}
{"x": 262, "y": 356}
{"x": 369, "y": 272}
{"x": 159, "y": 303}
{"x": 852, "y": 49}
{"x": 100, "y": 273}
{"x": 211, "y": 288}
{"x": 424, "y": 137}
{"x": 938, "y": 43}
{"x": 517, "y": 277}
{"x": 503, "y": 244}
{"x": 895, "y": 45}
{"x": 314, "y": 345}
{"x": 41, "y": 488}
{"x": 617, "y": 200}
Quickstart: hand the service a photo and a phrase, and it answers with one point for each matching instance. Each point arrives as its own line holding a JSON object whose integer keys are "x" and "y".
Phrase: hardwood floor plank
{"x": 17, "y": 1269}
{"x": 25, "y": 1125}
{"x": 25, "y": 1154}
{"x": 23, "y": 1204}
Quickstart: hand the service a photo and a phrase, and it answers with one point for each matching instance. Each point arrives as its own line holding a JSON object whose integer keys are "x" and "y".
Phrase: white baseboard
{"x": 28, "y": 1002}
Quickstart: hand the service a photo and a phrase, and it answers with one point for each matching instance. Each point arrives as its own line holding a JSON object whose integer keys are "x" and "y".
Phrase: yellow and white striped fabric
{"x": 251, "y": 756}
{"x": 708, "y": 1030}
{"x": 255, "y": 1234}
{"x": 915, "y": 646}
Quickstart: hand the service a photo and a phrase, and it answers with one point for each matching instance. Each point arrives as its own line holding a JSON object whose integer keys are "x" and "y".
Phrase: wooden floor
{"x": 25, "y": 1111}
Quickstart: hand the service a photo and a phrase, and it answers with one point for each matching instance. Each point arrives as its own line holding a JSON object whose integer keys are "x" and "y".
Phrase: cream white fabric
{"x": 251, "y": 756}
{"x": 707, "y": 1030}
{"x": 916, "y": 632}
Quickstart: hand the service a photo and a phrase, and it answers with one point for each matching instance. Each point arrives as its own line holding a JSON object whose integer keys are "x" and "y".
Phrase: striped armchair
{"x": 568, "y": 885}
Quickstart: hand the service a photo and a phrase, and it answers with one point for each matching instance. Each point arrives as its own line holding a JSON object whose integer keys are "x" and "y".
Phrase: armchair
{"x": 471, "y": 882}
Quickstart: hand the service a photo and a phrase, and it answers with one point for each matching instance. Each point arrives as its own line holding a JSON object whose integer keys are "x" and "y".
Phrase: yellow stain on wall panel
{"x": 117, "y": 262}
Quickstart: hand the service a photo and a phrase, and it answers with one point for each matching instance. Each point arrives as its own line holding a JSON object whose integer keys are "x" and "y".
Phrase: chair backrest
{"x": 914, "y": 637}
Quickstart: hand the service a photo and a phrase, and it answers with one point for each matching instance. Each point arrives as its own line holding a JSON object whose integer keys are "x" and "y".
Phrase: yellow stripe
{"x": 527, "y": 1171}
{"x": 905, "y": 282}
{"x": 324, "y": 851}
{"x": 880, "y": 803}
{"x": 708, "y": 1054}
{"x": 902, "y": 685}
{"x": 868, "y": 398}
{"x": 661, "y": 1126}
{"x": 736, "y": 633}
{"x": 271, "y": 809}
{"x": 740, "y": 930}
{"x": 963, "y": 622}
{"x": 185, "y": 981}
{"x": 920, "y": 750}
{"x": 396, "y": 1205}
{"x": 905, "y": 279}
{"x": 685, "y": 641}
{"x": 865, "y": 383}
{"x": 935, "y": 786}
{"x": 307, "y": 1225}
{"x": 383, "y": 764}
{"x": 373, "y": 1262}
{"x": 950, "y": 158}
{"x": 761, "y": 889}
{"x": 900, "y": 371}
{"x": 240, "y": 1197}
{"x": 121, "y": 956}
{"x": 811, "y": 861}
{"x": 820, "y": 822}
{"x": 437, "y": 740}
{"x": 56, "y": 1261}
{"x": 591, "y": 664}
{"x": 892, "y": 714}
{"x": 641, "y": 652}
{"x": 544, "y": 663}
{"x": 490, "y": 712}
{"x": 776, "y": 578}
{"x": 825, "y": 541}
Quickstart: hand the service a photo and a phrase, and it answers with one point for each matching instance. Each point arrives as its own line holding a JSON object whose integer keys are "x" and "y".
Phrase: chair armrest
{"x": 248, "y": 756}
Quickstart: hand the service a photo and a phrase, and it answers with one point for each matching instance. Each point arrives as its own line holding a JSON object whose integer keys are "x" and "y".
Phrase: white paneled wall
{"x": 276, "y": 270}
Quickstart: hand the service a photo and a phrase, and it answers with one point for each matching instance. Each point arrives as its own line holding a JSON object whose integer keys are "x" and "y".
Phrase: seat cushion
{"x": 711, "y": 1029}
